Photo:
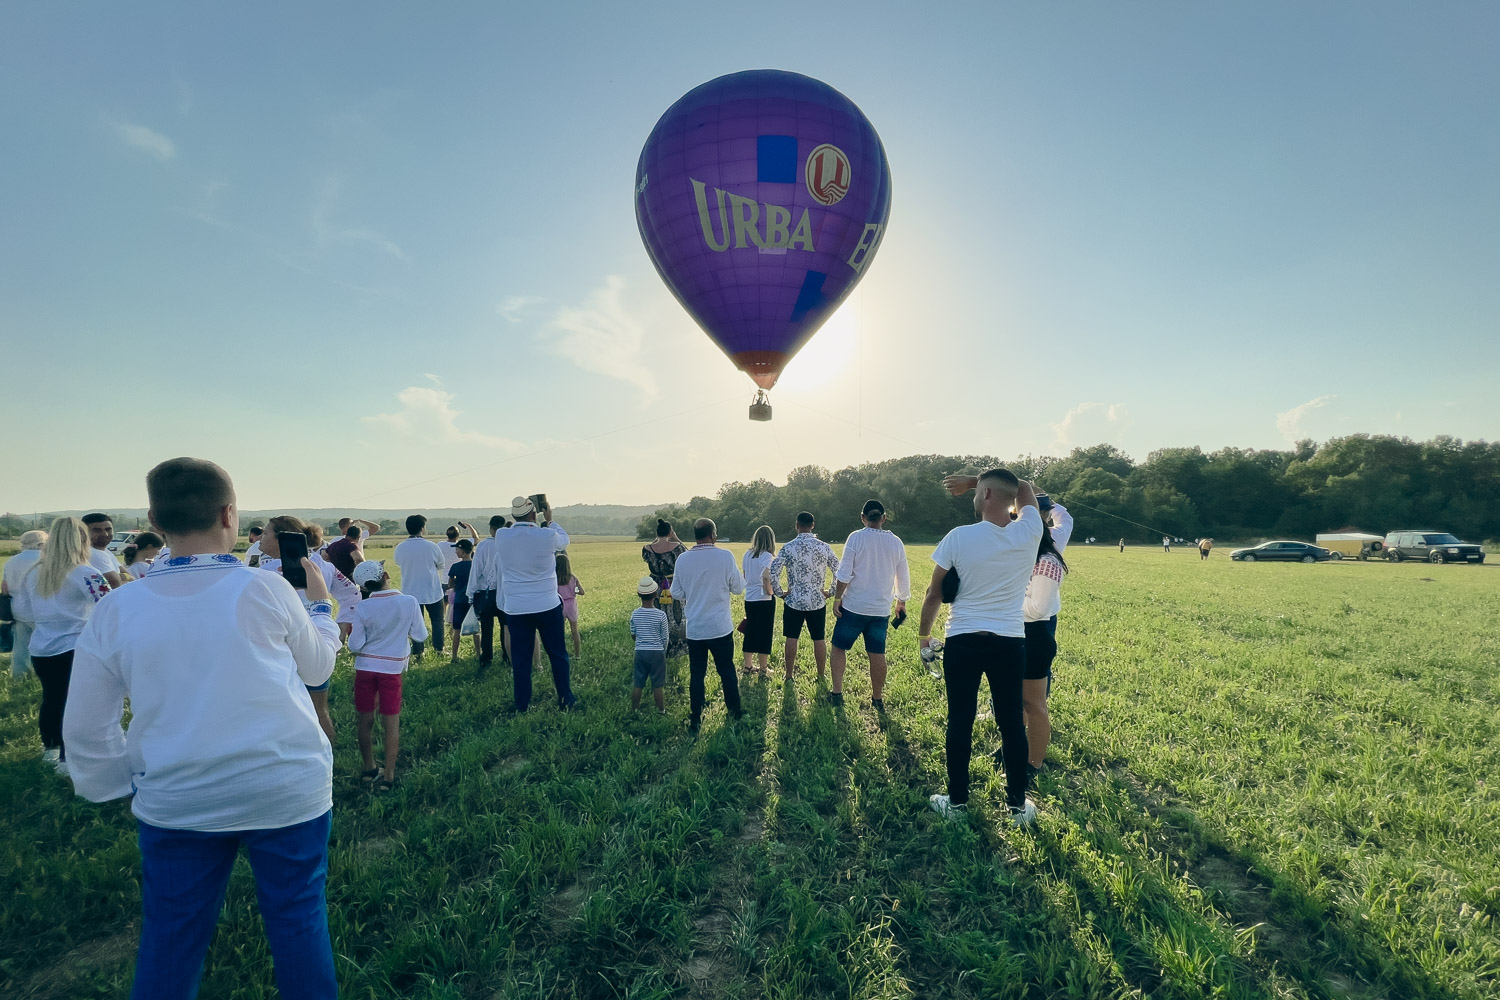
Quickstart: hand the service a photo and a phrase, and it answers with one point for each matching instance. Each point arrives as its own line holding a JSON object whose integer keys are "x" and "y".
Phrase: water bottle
{"x": 932, "y": 656}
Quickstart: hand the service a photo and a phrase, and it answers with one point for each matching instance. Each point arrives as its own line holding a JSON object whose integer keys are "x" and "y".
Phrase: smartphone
{"x": 899, "y": 620}
{"x": 293, "y": 550}
{"x": 539, "y": 500}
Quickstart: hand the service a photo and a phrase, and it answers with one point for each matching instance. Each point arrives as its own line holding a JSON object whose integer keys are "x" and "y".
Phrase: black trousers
{"x": 722, "y": 650}
{"x": 760, "y": 622}
{"x": 54, "y": 672}
{"x": 969, "y": 658}
{"x": 525, "y": 630}
{"x": 436, "y": 626}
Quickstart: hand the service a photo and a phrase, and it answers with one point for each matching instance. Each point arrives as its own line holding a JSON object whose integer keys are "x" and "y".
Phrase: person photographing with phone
{"x": 224, "y": 749}
{"x": 284, "y": 546}
{"x": 527, "y": 556}
{"x": 994, "y": 558}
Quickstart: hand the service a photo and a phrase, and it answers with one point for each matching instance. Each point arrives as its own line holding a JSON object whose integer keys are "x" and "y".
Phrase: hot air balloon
{"x": 762, "y": 198}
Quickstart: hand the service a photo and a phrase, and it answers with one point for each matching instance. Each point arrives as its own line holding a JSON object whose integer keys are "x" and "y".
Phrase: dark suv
{"x": 1430, "y": 546}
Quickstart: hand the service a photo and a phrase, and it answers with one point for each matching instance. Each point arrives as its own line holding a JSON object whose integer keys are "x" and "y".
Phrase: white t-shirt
{"x": 753, "y": 567}
{"x": 450, "y": 555}
{"x": 704, "y": 580}
{"x": 385, "y": 625}
{"x": 16, "y": 567}
{"x": 525, "y": 557}
{"x": 874, "y": 564}
{"x": 253, "y": 551}
{"x": 994, "y": 566}
{"x": 422, "y": 572}
{"x": 104, "y": 561}
{"x": 58, "y": 619}
{"x": 235, "y": 747}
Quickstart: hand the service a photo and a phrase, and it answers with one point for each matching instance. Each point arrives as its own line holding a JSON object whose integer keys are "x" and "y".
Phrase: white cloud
{"x": 146, "y": 140}
{"x": 1090, "y": 423}
{"x": 601, "y": 336}
{"x": 427, "y": 415}
{"x": 327, "y": 231}
{"x": 514, "y": 305}
{"x": 1289, "y": 422}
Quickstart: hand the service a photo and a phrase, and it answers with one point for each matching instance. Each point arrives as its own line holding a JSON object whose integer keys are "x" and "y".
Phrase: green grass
{"x": 1268, "y": 781}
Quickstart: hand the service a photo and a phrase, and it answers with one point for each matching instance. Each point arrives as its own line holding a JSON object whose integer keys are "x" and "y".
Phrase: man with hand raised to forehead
{"x": 704, "y": 580}
{"x": 526, "y": 557}
{"x": 993, "y": 558}
{"x": 224, "y": 749}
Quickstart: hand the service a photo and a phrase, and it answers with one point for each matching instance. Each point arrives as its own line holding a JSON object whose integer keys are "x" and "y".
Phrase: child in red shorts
{"x": 386, "y": 622}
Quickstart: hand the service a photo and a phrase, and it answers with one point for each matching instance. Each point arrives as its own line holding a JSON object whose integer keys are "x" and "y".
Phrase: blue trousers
{"x": 524, "y": 630}
{"x": 184, "y": 874}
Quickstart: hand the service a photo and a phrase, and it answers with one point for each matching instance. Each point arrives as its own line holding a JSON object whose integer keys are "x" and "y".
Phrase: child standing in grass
{"x": 648, "y": 624}
{"x": 569, "y": 589}
{"x": 458, "y": 592}
{"x": 384, "y": 620}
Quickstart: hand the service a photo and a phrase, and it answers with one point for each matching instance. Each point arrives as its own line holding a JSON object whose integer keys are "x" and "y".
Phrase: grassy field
{"x": 1267, "y": 781}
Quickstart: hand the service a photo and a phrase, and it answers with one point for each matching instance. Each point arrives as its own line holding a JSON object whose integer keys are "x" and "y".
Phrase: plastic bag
{"x": 471, "y": 623}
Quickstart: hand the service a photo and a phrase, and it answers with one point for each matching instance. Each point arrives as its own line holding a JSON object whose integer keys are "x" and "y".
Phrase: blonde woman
{"x": 57, "y": 596}
{"x": 760, "y": 605}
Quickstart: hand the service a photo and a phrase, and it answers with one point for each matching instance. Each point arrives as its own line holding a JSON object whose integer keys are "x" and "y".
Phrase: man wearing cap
{"x": 526, "y": 554}
{"x": 705, "y": 578}
{"x": 485, "y": 588}
{"x": 873, "y": 566}
{"x": 805, "y": 559}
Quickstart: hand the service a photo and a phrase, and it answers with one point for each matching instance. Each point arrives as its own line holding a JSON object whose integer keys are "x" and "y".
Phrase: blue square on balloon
{"x": 776, "y": 159}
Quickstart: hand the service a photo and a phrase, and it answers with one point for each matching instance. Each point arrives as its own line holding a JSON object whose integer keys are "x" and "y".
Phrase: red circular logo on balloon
{"x": 828, "y": 174}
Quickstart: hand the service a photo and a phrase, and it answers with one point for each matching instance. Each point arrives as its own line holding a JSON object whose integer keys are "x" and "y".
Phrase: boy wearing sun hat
{"x": 648, "y": 624}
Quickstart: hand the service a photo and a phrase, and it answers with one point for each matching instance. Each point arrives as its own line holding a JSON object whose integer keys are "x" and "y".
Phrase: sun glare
{"x": 833, "y": 351}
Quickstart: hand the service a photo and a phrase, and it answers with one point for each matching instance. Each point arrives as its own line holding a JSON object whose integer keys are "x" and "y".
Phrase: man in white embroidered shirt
{"x": 526, "y": 554}
{"x": 874, "y": 565}
{"x": 993, "y": 559}
{"x": 485, "y": 588}
{"x": 224, "y": 747}
{"x": 704, "y": 580}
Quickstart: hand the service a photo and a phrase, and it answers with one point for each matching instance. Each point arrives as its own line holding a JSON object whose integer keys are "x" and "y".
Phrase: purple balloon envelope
{"x": 762, "y": 197}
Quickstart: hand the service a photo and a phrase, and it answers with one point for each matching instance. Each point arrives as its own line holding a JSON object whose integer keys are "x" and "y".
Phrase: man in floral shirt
{"x": 804, "y": 558}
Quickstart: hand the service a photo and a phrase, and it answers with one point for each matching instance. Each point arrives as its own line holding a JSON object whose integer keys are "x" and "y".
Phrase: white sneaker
{"x": 61, "y": 767}
{"x": 1024, "y": 816}
{"x": 944, "y": 807}
{"x": 52, "y": 756}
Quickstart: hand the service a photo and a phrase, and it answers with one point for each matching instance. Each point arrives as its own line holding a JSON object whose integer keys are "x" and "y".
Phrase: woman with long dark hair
{"x": 661, "y": 559}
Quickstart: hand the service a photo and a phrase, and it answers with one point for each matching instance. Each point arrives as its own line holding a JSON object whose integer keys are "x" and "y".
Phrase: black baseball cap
{"x": 874, "y": 510}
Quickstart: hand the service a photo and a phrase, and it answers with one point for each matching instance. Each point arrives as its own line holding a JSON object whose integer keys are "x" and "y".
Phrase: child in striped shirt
{"x": 648, "y": 624}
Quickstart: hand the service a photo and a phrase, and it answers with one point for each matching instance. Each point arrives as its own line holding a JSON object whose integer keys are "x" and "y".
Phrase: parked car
{"x": 1430, "y": 546}
{"x": 1285, "y": 551}
{"x": 121, "y": 539}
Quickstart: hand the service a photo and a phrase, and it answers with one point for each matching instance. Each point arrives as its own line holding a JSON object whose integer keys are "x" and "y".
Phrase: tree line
{"x": 1364, "y": 482}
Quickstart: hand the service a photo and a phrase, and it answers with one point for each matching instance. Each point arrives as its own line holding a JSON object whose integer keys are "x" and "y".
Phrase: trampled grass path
{"x": 1269, "y": 781}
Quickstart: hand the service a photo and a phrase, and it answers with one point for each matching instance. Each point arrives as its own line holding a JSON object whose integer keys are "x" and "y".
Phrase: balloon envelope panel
{"x": 762, "y": 197}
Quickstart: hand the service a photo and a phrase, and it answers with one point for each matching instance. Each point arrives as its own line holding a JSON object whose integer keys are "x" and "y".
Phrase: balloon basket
{"x": 760, "y": 409}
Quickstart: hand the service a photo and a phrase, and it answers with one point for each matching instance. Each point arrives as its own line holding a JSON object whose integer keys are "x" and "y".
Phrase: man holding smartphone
{"x": 527, "y": 556}
{"x": 236, "y": 754}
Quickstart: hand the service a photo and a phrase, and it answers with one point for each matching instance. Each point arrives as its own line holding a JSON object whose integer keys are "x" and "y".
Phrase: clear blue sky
{"x": 344, "y": 248}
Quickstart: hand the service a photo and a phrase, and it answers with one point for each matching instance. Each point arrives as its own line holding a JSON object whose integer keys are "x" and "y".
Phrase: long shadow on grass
{"x": 1294, "y": 933}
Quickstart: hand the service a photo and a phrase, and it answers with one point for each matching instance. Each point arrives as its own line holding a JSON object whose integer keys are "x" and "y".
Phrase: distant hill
{"x": 579, "y": 519}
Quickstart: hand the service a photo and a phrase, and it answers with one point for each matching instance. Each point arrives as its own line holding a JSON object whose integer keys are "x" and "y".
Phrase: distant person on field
{"x": 570, "y": 590}
{"x": 387, "y": 627}
{"x": 224, "y": 749}
{"x": 422, "y": 577}
{"x": 16, "y": 566}
{"x": 704, "y": 579}
{"x": 139, "y": 554}
{"x": 1205, "y": 546}
{"x": 458, "y": 593}
{"x": 760, "y": 601}
{"x": 873, "y": 569}
{"x": 57, "y": 595}
{"x": 661, "y": 558}
{"x": 1122, "y": 545}
{"x": 810, "y": 567}
{"x": 527, "y": 555}
{"x": 1166, "y": 544}
{"x": 648, "y": 624}
{"x": 101, "y": 529}
{"x": 486, "y": 594}
{"x": 252, "y": 552}
{"x": 994, "y": 558}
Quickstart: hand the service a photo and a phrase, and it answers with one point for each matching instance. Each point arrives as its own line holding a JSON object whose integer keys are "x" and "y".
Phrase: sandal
{"x": 367, "y": 778}
{"x": 385, "y": 784}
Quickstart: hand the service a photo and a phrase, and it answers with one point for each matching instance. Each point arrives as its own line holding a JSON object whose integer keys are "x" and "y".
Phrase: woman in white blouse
{"x": 760, "y": 605}
{"x": 58, "y": 595}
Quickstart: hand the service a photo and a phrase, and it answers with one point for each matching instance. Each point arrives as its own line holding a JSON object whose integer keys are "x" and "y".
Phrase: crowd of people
{"x": 241, "y": 754}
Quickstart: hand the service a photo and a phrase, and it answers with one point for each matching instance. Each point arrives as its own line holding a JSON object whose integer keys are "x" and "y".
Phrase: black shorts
{"x": 1041, "y": 649}
{"x": 792, "y": 619}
